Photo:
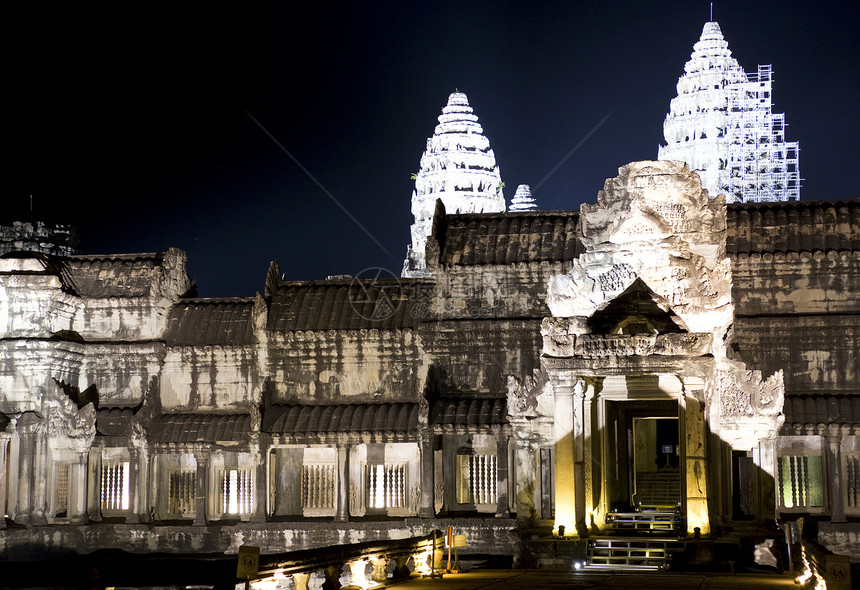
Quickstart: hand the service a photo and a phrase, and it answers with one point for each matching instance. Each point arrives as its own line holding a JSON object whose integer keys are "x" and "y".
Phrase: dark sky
{"x": 133, "y": 123}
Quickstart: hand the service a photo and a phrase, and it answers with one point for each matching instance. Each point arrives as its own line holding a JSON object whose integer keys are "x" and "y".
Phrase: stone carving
{"x": 354, "y": 506}
{"x": 735, "y": 401}
{"x": 66, "y": 420}
{"x": 523, "y": 395}
{"x": 652, "y": 222}
{"x": 438, "y": 494}
{"x": 415, "y": 504}
{"x": 617, "y": 279}
{"x": 743, "y": 393}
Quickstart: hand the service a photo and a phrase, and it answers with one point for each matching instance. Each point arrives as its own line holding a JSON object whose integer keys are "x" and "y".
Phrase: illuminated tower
{"x": 722, "y": 125}
{"x": 458, "y": 167}
{"x": 523, "y": 200}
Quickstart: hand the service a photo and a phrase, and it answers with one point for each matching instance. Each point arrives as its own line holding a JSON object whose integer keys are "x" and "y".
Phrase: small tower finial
{"x": 712, "y": 12}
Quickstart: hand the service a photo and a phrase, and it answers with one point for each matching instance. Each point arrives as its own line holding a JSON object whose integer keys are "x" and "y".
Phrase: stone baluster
{"x": 380, "y": 570}
{"x": 300, "y": 581}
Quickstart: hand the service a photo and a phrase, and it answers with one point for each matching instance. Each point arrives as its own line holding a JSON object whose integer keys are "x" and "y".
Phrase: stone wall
{"x": 56, "y": 240}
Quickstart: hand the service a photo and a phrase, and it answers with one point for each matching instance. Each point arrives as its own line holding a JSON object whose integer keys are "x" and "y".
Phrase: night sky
{"x": 134, "y": 125}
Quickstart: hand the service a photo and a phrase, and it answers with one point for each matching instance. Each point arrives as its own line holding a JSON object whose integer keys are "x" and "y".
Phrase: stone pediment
{"x": 650, "y": 200}
{"x": 655, "y": 224}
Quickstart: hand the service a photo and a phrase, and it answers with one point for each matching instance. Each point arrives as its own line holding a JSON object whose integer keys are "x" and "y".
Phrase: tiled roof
{"x": 507, "y": 238}
{"x": 796, "y": 226}
{"x": 225, "y": 322}
{"x": 302, "y": 419}
{"x": 190, "y": 428}
{"x": 822, "y": 409}
{"x": 114, "y": 275}
{"x": 346, "y": 304}
{"x": 469, "y": 412}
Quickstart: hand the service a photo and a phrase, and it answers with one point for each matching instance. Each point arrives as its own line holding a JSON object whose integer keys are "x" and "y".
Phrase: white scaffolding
{"x": 763, "y": 166}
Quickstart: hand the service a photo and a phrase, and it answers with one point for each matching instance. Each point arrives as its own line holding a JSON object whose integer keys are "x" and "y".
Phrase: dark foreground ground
{"x": 534, "y": 579}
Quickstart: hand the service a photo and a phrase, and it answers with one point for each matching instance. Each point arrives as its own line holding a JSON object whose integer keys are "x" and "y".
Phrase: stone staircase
{"x": 640, "y": 540}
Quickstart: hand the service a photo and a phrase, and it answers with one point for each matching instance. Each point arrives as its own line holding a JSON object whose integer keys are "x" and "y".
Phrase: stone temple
{"x": 657, "y": 365}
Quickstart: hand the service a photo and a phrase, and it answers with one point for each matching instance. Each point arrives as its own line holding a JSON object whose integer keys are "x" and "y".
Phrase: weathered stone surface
{"x": 497, "y": 385}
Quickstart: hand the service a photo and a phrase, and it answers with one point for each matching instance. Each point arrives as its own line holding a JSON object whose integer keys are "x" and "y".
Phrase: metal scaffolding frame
{"x": 762, "y": 165}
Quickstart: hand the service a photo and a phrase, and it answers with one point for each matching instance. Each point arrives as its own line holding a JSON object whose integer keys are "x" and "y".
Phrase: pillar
{"x": 764, "y": 458}
{"x": 695, "y": 461}
{"x": 94, "y": 482}
{"x": 26, "y": 464}
{"x": 832, "y": 470}
{"x": 259, "y": 450}
{"x": 201, "y": 506}
{"x": 4, "y": 469}
{"x": 78, "y": 489}
{"x": 133, "y": 485}
{"x": 502, "y": 508}
{"x": 588, "y": 506}
{"x": 426, "y": 508}
{"x": 144, "y": 497}
{"x": 565, "y": 473}
{"x": 342, "y": 508}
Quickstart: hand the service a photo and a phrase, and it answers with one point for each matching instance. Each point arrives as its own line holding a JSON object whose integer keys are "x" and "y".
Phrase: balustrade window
{"x": 800, "y": 480}
{"x": 235, "y": 491}
{"x": 62, "y": 497}
{"x": 318, "y": 486}
{"x": 851, "y": 471}
{"x": 386, "y": 485}
{"x": 477, "y": 479}
{"x": 852, "y": 480}
{"x": 114, "y": 486}
{"x": 182, "y": 492}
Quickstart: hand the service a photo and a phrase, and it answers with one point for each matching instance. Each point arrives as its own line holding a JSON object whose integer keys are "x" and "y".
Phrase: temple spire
{"x": 721, "y": 121}
{"x": 457, "y": 167}
{"x": 523, "y": 200}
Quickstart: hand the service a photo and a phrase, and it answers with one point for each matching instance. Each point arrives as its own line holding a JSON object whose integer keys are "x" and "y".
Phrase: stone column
{"x": 201, "y": 505}
{"x": 261, "y": 483}
{"x": 695, "y": 461}
{"x": 4, "y": 469}
{"x": 94, "y": 483}
{"x": 502, "y": 508}
{"x": 579, "y": 456}
{"x": 565, "y": 473}
{"x": 342, "y": 510}
{"x": 133, "y": 485}
{"x": 39, "y": 475}
{"x": 835, "y": 485}
{"x": 26, "y": 465}
{"x": 426, "y": 509}
{"x": 144, "y": 496}
{"x": 78, "y": 489}
{"x": 588, "y": 457}
{"x": 764, "y": 458}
